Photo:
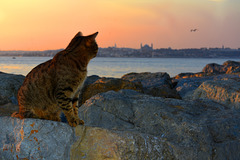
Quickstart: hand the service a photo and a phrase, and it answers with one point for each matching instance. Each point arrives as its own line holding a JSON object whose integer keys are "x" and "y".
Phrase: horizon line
{"x": 128, "y": 48}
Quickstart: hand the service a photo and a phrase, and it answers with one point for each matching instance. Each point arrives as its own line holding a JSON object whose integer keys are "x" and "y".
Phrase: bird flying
{"x": 193, "y": 30}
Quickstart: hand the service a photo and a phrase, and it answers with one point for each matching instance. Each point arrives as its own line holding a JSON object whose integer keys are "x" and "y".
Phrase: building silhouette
{"x": 146, "y": 48}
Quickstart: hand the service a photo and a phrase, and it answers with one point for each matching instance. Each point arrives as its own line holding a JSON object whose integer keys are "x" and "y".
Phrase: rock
{"x": 191, "y": 128}
{"x": 133, "y": 126}
{"x": 43, "y": 139}
{"x": 214, "y": 68}
{"x": 186, "y": 86}
{"x": 8, "y": 109}
{"x": 128, "y": 124}
{"x": 34, "y": 139}
{"x": 10, "y": 84}
{"x": 225, "y": 91}
{"x": 186, "y": 83}
{"x": 156, "y": 84}
{"x": 99, "y": 144}
{"x": 191, "y": 75}
{"x": 95, "y": 85}
{"x": 227, "y": 67}
{"x": 231, "y": 63}
{"x": 91, "y": 80}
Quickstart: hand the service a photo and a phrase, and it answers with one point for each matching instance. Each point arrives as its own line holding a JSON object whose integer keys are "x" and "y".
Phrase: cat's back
{"x": 40, "y": 72}
{"x": 38, "y": 82}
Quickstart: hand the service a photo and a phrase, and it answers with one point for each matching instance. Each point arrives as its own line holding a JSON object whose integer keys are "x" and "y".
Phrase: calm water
{"x": 116, "y": 67}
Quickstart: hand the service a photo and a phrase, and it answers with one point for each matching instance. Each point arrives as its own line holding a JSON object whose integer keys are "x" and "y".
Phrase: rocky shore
{"x": 137, "y": 116}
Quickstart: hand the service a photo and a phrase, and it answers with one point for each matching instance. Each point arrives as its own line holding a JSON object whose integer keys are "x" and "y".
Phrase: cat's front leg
{"x": 75, "y": 104}
{"x": 65, "y": 103}
{"x": 71, "y": 118}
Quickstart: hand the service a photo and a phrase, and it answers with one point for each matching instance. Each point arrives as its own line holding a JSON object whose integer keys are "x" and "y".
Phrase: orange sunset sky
{"x": 50, "y": 24}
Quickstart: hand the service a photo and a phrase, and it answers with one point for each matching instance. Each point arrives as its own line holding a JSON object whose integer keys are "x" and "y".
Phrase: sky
{"x": 51, "y": 24}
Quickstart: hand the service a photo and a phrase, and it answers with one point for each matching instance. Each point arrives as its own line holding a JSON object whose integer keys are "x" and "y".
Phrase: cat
{"x": 54, "y": 86}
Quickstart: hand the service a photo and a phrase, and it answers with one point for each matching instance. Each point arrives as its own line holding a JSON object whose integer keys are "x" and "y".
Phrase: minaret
{"x": 152, "y": 45}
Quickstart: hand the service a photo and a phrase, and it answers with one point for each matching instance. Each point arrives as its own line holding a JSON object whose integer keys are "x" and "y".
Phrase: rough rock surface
{"x": 43, "y": 139}
{"x": 156, "y": 84}
{"x": 199, "y": 129}
{"x": 34, "y": 139}
{"x": 97, "y": 143}
{"x": 133, "y": 126}
{"x": 95, "y": 85}
{"x": 186, "y": 86}
{"x": 8, "y": 109}
{"x": 191, "y": 75}
{"x": 225, "y": 91}
{"x": 10, "y": 84}
{"x": 186, "y": 83}
{"x": 227, "y": 67}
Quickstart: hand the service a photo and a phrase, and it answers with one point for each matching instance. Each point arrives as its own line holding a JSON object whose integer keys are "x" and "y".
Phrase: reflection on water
{"x": 116, "y": 67}
{"x": 20, "y": 65}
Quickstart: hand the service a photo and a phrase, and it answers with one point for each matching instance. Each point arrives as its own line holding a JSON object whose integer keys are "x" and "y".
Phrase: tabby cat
{"x": 54, "y": 86}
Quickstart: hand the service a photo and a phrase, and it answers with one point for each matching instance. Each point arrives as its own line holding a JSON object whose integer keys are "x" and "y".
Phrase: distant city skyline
{"x": 155, "y": 47}
{"x": 46, "y": 25}
{"x": 145, "y": 51}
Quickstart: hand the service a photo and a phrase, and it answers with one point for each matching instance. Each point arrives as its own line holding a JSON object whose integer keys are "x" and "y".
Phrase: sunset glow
{"x": 44, "y": 24}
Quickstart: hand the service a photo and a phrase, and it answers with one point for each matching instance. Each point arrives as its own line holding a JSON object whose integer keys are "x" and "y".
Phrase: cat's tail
{"x": 17, "y": 115}
{"x": 23, "y": 114}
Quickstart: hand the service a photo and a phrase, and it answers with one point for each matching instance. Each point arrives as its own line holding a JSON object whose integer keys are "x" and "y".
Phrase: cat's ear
{"x": 75, "y": 40}
{"x": 78, "y": 34}
{"x": 91, "y": 38}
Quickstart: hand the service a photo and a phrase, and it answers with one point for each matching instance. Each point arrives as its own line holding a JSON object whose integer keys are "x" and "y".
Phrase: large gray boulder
{"x": 157, "y": 84}
{"x": 34, "y": 139}
{"x": 9, "y": 85}
{"x": 186, "y": 86}
{"x": 223, "y": 91}
{"x": 97, "y": 143}
{"x": 227, "y": 67}
{"x": 187, "y": 83}
{"x": 48, "y": 140}
{"x": 95, "y": 85}
{"x": 198, "y": 129}
{"x": 128, "y": 125}
{"x": 8, "y": 109}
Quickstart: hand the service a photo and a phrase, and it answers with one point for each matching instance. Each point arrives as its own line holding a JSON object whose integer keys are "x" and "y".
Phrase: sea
{"x": 117, "y": 67}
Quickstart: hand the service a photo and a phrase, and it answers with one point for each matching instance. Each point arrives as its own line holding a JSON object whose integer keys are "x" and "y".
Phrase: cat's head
{"x": 84, "y": 45}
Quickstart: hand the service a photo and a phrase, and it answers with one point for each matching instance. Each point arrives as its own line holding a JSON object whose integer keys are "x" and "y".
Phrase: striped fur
{"x": 53, "y": 87}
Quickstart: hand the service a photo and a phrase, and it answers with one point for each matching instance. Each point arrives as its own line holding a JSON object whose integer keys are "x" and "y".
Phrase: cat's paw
{"x": 81, "y": 122}
{"x": 75, "y": 121}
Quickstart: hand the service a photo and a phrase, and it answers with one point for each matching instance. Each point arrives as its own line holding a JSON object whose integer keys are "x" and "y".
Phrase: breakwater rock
{"x": 128, "y": 125}
{"x": 95, "y": 85}
{"x": 227, "y": 67}
{"x": 138, "y": 116}
{"x": 10, "y": 84}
